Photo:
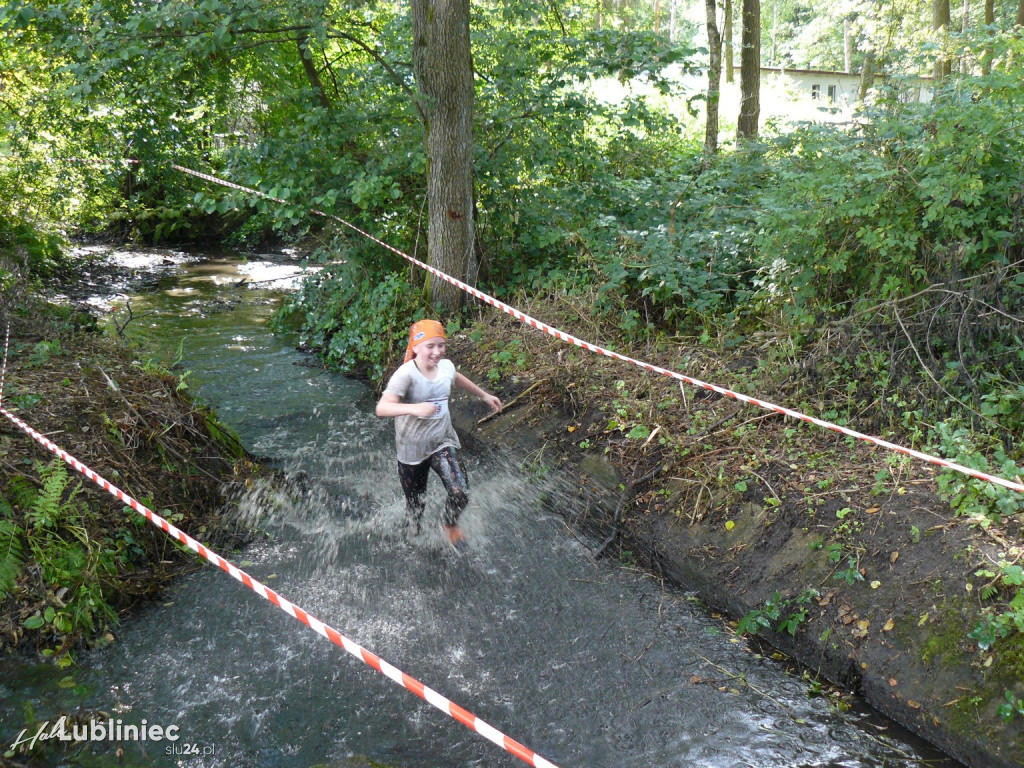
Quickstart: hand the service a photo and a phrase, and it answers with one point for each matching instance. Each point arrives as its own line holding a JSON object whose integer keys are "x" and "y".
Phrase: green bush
{"x": 357, "y": 319}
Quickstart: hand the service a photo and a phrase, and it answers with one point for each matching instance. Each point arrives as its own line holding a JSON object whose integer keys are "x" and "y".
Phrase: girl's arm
{"x": 463, "y": 383}
{"x": 391, "y": 405}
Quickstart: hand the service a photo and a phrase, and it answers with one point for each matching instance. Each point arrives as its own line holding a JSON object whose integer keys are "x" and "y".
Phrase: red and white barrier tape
{"x": 3, "y": 372}
{"x": 540, "y": 326}
{"x": 410, "y": 683}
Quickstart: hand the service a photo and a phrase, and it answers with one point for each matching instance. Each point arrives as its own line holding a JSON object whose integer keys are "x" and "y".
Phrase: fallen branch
{"x": 512, "y": 402}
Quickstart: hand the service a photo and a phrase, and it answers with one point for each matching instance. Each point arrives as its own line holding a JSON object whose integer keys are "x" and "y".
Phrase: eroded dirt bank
{"x": 839, "y": 554}
{"x": 75, "y": 559}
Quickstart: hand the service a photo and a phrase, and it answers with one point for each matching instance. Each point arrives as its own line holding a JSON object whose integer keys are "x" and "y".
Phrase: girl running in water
{"x": 416, "y": 396}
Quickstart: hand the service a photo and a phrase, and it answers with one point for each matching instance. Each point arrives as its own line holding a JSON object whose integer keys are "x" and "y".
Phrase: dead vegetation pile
{"x": 72, "y": 557}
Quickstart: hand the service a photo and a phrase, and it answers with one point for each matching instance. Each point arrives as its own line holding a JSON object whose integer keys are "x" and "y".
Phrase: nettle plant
{"x": 985, "y": 502}
{"x": 999, "y": 621}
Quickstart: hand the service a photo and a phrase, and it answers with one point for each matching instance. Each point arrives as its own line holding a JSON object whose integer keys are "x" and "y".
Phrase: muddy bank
{"x": 838, "y": 554}
{"x": 74, "y": 560}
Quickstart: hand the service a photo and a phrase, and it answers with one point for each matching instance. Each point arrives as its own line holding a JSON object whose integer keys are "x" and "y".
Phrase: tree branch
{"x": 387, "y": 67}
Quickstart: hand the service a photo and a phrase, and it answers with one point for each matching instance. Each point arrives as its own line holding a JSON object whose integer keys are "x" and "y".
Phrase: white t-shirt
{"x": 415, "y": 438}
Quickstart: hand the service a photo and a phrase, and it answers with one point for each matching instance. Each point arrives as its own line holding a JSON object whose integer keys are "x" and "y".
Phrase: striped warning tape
{"x": 410, "y": 683}
{"x": 3, "y": 371}
{"x": 569, "y": 338}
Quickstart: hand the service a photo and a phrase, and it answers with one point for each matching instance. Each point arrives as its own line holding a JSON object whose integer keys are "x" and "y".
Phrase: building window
{"x": 815, "y": 91}
{"x": 831, "y": 93}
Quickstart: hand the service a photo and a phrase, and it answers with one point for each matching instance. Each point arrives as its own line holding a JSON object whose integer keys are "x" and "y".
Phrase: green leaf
{"x": 639, "y": 432}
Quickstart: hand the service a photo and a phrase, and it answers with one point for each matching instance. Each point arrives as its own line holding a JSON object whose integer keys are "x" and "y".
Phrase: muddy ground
{"x": 839, "y": 554}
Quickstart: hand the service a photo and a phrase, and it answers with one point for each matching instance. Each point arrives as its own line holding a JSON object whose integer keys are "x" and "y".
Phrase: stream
{"x": 587, "y": 662}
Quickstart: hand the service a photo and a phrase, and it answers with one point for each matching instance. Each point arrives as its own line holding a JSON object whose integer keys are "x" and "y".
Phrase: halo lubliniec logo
{"x": 103, "y": 730}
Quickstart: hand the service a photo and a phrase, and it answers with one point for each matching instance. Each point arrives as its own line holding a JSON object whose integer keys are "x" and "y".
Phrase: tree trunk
{"x": 672, "y": 20}
{"x": 714, "y": 82}
{"x": 940, "y": 24}
{"x": 750, "y": 71}
{"x": 867, "y": 75}
{"x": 1018, "y": 22}
{"x": 847, "y": 47}
{"x": 730, "y": 67}
{"x": 965, "y": 23}
{"x": 657, "y": 16}
{"x": 306, "y": 56}
{"x": 986, "y": 54}
{"x": 443, "y": 66}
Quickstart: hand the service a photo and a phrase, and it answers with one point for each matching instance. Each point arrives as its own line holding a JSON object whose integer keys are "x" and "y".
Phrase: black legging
{"x": 413, "y": 477}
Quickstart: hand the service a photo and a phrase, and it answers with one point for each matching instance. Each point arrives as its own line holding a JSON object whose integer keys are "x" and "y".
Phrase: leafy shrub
{"x": 908, "y": 197}
{"x": 357, "y": 319}
{"x": 47, "y": 526}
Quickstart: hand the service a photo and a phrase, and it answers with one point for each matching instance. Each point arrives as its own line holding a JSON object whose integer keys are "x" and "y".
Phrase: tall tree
{"x": 986, "y": 54}
{"x": 940, "y": 24}
{"x": 730, "y": 65}
{"x": 750, "y": 71}
{"x": 965, "y": 23}
{"x": 443, "y": 66}
{"x": 714, "y": 81}
{"x": 847, "y": 45}
{"x": 867, "y": 75}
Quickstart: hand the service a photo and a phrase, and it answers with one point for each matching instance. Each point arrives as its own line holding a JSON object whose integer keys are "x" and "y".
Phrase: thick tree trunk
{"x": 867, "y": 75}
{"x": 940, "y": 24}
{"x": 730, "y": 76}
{"x": 714, "y": 81}
{"x": 444, "y": 74}
{"x": 750, "y": 71}
{"x": 1020, "y": 13}
{"x": 657, "y": 16}
{"x": 306, "y": 56}
{"x": 990, "y": 19}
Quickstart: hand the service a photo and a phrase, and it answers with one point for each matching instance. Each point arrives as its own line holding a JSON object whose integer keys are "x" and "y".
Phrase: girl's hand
{"x": 492, "y": 401}
{"x": 425, "y": 410}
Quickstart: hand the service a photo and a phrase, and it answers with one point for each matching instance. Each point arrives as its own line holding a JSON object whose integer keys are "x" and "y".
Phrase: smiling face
{"x": 429, "y": 352}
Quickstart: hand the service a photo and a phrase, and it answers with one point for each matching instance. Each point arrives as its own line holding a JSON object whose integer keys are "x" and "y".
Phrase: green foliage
{"x": 42, "y": 352}
{"x": 11, "y": 548}
{"x": 50, "y": 534}
{"x": 357, "y": 319}
{"x": 780, "y": 614}
{"x": 35, "y": 249}
{"x": 511, "y": 358}
{"x": 983, "y": 501}
{"x": 907, "y": 198}
{"x": 1002, "y": 620}
{"x": 1012, "y": 706}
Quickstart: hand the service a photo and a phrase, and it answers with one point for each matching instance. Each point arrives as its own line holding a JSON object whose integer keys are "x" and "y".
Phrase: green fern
{"x": 49, "y": 508}
{"x": 11, "y": 560}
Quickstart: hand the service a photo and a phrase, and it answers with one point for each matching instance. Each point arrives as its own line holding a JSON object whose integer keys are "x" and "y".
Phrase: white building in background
{"x": 835, "y": 89}
{"x": 788, "y": 96}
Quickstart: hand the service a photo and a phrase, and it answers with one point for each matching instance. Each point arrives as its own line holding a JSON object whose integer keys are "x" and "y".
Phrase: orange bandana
{"x": 421, "y": 331}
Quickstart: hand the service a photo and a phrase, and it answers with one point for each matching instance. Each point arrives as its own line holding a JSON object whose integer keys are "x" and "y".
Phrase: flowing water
{"x": 586, "y": 662}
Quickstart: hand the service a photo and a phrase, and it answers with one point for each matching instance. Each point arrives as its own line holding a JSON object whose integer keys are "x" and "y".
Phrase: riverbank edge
{"x": 896, "y": 633}
{"x": 134, "y": 423}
